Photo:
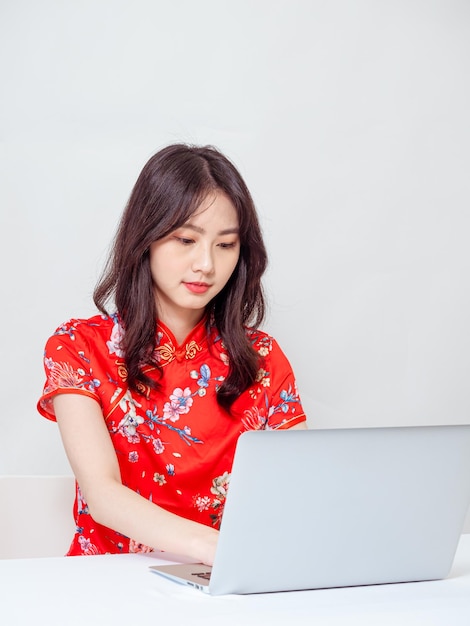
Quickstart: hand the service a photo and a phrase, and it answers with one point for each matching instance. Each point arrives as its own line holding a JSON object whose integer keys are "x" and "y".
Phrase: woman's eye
{"x": 228, "y": 245}
{"x": 184, "y": 241}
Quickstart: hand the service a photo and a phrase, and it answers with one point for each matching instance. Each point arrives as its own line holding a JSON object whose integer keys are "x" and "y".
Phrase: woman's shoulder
{"x": 84, "y": 338}
{"x": 267, "y": 347}
{"x": 261, "y": 341}
{"x": 88, "y": 329}
{"x": 96, "y": 323}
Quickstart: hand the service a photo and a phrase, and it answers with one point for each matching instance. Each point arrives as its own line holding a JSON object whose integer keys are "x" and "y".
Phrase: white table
{"x": 119, "y": 589}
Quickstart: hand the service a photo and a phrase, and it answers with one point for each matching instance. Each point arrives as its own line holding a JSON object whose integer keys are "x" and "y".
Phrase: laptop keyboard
{"x": 205, "y": 575}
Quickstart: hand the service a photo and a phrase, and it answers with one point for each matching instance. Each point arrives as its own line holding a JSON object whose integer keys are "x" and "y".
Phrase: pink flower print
{"x": 253, "y": 420}
{"x": 62, "y": 375}
{"x": 133, "y": 457}
{"x": 170, "y": 412}
{"x": 114, "y": 343}
{"x": 202, "y": 503}
{"x": 133, "y": 439}
{"x": 180, "y": 402}
{"x": 86, "y": 546}
{"x": 158, "y": 446}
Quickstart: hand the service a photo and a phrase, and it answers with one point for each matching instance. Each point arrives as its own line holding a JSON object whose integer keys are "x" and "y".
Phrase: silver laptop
{"x": 333, "y": 508}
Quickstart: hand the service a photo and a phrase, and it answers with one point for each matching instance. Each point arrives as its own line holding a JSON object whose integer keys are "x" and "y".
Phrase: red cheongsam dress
{"x": 174, "y": 445}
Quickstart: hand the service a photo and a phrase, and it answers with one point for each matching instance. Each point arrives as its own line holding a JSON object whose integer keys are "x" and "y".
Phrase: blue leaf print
{"x": 205, "y": 373}
{"x": 287, "y": 397}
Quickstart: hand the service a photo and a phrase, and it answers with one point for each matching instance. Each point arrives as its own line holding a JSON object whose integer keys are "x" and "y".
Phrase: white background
{"x": 349, "y": 121}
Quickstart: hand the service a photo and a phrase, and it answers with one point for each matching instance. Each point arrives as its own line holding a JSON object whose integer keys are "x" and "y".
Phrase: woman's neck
{"x": 181, "y": 326}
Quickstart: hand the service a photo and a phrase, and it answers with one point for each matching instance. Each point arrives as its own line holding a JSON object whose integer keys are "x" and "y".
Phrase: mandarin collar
{"x": 167, "y": 348}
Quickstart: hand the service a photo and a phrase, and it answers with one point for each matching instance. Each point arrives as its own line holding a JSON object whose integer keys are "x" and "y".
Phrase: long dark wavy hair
{"x": 171, "y": 186}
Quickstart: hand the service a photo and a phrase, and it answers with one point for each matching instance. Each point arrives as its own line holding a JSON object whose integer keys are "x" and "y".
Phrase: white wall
{"x": 349, "y": 121}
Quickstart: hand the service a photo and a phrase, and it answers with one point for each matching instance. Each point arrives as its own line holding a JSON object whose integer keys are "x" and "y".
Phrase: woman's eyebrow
{"x": 226, "y": 231}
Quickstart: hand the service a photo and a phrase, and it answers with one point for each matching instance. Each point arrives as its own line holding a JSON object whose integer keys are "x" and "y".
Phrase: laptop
{"x": 313, "y": 509}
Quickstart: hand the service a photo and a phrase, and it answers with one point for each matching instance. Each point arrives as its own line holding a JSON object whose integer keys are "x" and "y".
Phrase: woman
{"x": 152, "y": 395}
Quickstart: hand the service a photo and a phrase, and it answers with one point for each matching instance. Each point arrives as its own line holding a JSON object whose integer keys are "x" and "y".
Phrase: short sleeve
{"x": 285, "y": 407}
{"x": 272, "y": 401}
{"x": 68, "y": 365}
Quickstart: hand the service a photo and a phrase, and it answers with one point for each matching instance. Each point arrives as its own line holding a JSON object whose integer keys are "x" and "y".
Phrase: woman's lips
{"x": 197, "y": 287}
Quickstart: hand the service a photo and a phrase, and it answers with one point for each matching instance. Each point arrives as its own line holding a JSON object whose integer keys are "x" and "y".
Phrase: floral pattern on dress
{"x": 219, "y": 490}
{"x": 174, "y": 445}
{"x": 62, "y": 375}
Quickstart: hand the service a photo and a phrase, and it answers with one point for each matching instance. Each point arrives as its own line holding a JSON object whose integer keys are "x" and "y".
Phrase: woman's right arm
{"x": 93, "y": 460}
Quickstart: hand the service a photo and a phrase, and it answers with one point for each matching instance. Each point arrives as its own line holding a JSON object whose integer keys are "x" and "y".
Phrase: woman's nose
{"x": 203, "y": 260}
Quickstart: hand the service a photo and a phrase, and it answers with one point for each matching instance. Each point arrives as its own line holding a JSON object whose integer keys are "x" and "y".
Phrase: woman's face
{"x": 192, "y": 264}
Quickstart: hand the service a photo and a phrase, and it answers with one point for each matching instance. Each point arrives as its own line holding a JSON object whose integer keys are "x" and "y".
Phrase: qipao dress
{"x": 174, "y": 445}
